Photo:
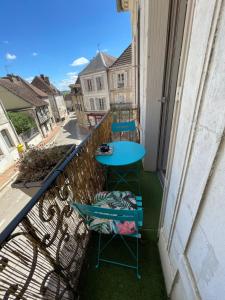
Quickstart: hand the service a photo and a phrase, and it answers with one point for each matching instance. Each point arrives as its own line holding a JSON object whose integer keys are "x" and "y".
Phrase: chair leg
{"x": 138, "y": 275}
{"x": 99, "y": 248}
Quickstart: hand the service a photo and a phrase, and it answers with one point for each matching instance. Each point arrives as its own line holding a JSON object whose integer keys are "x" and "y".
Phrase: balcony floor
{"x": 112, "y": 282}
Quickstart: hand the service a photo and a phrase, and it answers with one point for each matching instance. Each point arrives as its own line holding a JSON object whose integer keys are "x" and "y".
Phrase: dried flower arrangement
{"x": 36, "y": 164}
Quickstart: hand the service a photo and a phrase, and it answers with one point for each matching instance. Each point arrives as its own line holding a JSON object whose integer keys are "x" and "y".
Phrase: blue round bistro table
{"x": 124, "y": 153}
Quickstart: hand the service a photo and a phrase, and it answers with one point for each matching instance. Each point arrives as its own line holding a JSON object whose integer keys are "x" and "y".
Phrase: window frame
{"x": 92, "y": 104}
{"x": 101, "y": 103}
{"x": 120, "y": 80}
{"x": 7, "y": 138}
{"x": 89, "y": 85}
{"x": 99, "y": 83}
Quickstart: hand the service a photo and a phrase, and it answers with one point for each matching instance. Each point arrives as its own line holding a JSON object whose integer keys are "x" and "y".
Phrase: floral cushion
{"x": 116, "y": 200}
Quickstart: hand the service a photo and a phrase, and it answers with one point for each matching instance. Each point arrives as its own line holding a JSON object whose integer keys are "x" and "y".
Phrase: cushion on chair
{"x": 116, "y": 200}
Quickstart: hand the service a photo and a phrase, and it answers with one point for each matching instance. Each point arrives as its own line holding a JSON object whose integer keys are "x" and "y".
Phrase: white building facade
{"x": 179, "y": 50}
{"x": 8, "y": 141}
{"x": 95, "y": 92}
{"x": 121, "y": 79}
{"x": 94, "y": 85}
{"x": 55, "y": 98}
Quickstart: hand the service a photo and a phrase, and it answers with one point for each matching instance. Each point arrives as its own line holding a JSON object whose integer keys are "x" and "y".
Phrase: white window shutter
{"x": 104, "y": 103}
{"x": 97, "y": 103}
{"x": 114, "y": 79}
{"x": 85, "y": 85}
{"x": 93, "y": 85}
{"x": 102, "y": 82}
{"x": 87, "y": 104}
{"x": 125, "y": 79}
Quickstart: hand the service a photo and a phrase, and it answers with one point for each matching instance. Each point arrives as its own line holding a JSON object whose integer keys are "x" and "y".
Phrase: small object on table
{"x": 104, "y": 149}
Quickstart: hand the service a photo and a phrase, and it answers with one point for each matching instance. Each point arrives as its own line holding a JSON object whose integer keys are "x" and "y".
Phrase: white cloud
{"x": 10, "y": 56}
{"x": 71, "y": 77}
{"x": 80, "y": 61}
{"x": 70, "y": 74}
{"x": 29, "y": 79}
{"x": 34, "y": 54}
{"x": 5, "y": 42}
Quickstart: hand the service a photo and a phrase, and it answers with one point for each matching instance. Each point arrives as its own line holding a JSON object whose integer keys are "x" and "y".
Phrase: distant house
{"x": 56, "y": 99}
{"x": 19, "y": 96}
{"x": 121, "y": 79}
{"x": 94, "y": 84}
{"x": 69, "y": 102}
{"x": 78, "y": 103}
{"x": 8, "y": 141}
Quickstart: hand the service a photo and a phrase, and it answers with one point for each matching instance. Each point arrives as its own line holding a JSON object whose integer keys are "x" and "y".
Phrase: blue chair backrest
{"x": 123, "y": 126}
{"x": 108, "y": 213}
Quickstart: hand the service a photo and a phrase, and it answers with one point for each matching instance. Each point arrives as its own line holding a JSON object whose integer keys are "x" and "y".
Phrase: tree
{"x": 21, "y": 121}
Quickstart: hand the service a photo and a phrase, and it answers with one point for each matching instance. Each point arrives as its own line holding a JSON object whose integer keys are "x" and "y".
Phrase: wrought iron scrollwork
{"x": 42, "y": 258}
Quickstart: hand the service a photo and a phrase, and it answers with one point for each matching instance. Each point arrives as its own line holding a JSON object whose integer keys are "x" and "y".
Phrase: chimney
{"x": 12, "y": 77}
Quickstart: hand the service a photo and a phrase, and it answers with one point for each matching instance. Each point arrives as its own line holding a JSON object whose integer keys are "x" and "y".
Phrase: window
{"x": 89, "y": 85}
{"x": 100, "y": 103}
{"x": 120, "y": 98}
{"x": 99, "y": 83}
{"x": 7, "y": 138}
{"x": 120, "y": 80}
{"x": 92, "y": 103}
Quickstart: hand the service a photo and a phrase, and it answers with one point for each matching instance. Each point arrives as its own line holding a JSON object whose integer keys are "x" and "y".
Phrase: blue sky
{"x": 48, "y": 36}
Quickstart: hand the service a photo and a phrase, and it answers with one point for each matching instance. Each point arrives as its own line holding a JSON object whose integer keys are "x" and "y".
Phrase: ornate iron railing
{"x": 42, "y": 249}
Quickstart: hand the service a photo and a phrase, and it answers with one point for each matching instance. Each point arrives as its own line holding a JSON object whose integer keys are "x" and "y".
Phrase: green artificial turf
{"x": 110, "y": 282}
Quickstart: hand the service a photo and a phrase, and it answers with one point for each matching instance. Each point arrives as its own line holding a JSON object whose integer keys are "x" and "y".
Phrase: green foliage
{"x": 21, "y": 121}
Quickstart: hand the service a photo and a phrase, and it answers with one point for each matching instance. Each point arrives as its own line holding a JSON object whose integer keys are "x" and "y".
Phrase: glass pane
{"x": 7, "y": 138}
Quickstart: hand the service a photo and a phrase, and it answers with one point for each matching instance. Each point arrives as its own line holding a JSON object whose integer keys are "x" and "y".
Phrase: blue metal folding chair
{"x": 126, "y": 130}
{"x": 88, "y": 212}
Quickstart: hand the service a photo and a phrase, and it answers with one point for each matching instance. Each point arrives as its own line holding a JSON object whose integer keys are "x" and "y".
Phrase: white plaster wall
{"x": 104, "y": 93}
{"x": 3, "y": 118}
{"x": 129, "y": 89}
{"x": 153, "y": 29}
{"x": 10, "y": 154}
{"x": 191, "y": 240}
{"x": 61, "y": 106}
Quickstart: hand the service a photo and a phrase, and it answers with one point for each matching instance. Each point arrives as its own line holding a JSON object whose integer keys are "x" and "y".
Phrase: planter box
{"x": 35, "y": 185}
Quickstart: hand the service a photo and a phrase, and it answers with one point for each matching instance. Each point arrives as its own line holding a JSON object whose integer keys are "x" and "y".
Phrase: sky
{"x": 59, "y": 37}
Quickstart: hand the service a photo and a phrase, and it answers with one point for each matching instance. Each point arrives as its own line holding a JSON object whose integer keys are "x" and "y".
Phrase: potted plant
{"x": 37, "y": 165}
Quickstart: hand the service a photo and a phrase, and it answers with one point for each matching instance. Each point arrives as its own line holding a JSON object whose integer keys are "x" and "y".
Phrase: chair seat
{"x": 114, "y": 200}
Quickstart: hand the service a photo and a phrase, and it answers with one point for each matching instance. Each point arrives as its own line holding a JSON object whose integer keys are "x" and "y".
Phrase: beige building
{"x": 95, "y": 89}
{"x": 179, "y": 53}
{"x": 121, "y": 79}
{"x": 18, "y": 96}
{"x": 55, "y": 98}
{"x": 78, "y": 103}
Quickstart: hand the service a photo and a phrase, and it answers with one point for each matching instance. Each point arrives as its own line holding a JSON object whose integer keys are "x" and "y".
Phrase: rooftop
{"x": 124, "y": 59}
{"x": 23, "y": 89}
{"x": 43, "y": 83}
{"x": 101, "y": 62}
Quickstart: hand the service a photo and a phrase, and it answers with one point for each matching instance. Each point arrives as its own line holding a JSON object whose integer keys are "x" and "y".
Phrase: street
{"x": 12, "y": 200}
{"x": 71, "y": 132}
